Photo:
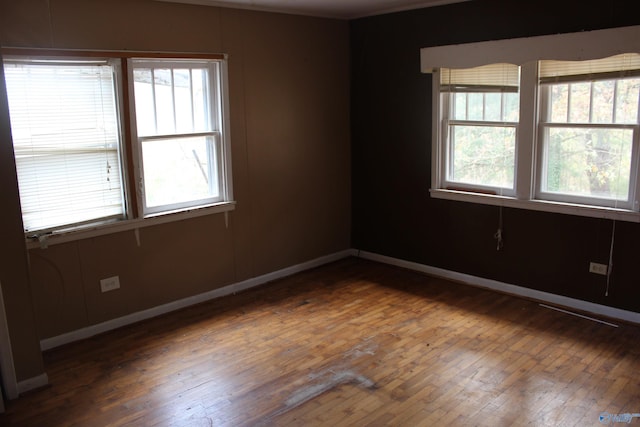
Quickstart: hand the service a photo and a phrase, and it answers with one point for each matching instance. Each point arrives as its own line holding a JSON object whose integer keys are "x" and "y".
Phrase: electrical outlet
{"x": 596, "y": 268}
{"x": 110, "y": 284}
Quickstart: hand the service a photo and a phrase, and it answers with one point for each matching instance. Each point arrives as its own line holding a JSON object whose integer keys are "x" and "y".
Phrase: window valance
{"x": 568, "y": 47}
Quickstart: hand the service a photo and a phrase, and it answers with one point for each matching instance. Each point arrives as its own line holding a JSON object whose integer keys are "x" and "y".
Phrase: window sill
{"x": 104, "y": 228}
{"x": 538, "y": 205}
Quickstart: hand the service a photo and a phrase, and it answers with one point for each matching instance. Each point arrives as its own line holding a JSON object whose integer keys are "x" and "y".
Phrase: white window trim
{"x": 525, "y": 52}
{"x": 118, "y": 226}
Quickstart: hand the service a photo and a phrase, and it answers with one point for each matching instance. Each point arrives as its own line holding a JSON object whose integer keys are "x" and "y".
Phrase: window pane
{"x": 476, "y": 106}
{"x": 607, "y": 96}
{"x": 579, "y": 102}
{"x": 482, "y": 155}
{"x": 66, "y": 142}
{"x": 460, "y": 106}
{"x": 493, "y": 107}
{"x": 512, "y": 107}
{"x": 588, "y": 162}
{"x": 603, "y": 97}
{"x": 485, "y": 106}
{"x": 145, "y": 104}
{"x": 177, "y": 101}
{"x": 163, "y": 86}
{"x": 201, "y": 101}
{"x": 179, "y": 170}
{"x": 183, "y": 102}
{"x": 559, "y": 103}
{"x": 627, "y": 100}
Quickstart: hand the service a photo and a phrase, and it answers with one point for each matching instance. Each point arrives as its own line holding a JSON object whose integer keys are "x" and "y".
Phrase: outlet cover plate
{"x": 110, "y": 284}
{"x": 597, "y": 268}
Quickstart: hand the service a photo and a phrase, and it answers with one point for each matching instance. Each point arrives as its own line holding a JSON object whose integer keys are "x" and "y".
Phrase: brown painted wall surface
{"x": 289, "y": 99}
{"x": 393, "y": 214}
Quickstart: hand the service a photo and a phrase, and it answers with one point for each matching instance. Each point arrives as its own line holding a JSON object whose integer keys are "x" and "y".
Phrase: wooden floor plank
{"x": 350, "y": 343}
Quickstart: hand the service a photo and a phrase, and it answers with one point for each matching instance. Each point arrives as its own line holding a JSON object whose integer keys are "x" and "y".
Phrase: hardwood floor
{"x": 351, "y": 343}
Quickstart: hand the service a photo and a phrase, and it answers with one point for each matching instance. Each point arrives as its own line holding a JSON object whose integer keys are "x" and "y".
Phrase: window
{"x": 179, "y": 131}
{"x": 480, "y": 111}
{"x": 66, "y": 137}
{"x": 564, "y": 138}
{"x": 76, "y": 166}
{"x": 589, "y": 131}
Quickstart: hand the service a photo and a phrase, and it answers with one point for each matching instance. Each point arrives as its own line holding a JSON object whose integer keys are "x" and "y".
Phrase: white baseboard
{"x": 89, "y": 331}
{"x": 585, "y": 306}
{"x": 33, "y": 383}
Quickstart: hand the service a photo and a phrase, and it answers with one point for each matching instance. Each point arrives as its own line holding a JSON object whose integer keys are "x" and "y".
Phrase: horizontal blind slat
{"x": 493, "y": 77}
{"x": 618, "y": 66}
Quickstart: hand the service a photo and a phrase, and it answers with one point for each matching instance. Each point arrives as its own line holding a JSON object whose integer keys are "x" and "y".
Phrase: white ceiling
{"x": 341, "y": 9}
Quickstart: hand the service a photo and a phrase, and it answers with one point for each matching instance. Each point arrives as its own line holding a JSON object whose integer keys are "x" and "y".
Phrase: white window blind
{"x": 65, "y": 129}
{"x": 618, "y": 66}
{"x": 492, "y": 77}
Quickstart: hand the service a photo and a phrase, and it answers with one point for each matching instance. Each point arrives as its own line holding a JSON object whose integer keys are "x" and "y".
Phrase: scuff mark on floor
{"x": 318, "y": 383}
{"x": 322, "y": 383}
{"x": 367, "y": 348}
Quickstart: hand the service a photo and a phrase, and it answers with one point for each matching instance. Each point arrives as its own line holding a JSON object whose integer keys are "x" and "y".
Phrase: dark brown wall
{"x": 14, "y": 276}
{"x": 393, "y": 214}
{"x": 289, "y": 100}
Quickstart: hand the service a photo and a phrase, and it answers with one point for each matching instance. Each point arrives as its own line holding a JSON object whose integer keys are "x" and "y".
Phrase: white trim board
{"x": 559, "y": 300}
{"x": 567, "y": 46}
{"x": 89, "y": 331}
{"x": 33, "y": 383}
